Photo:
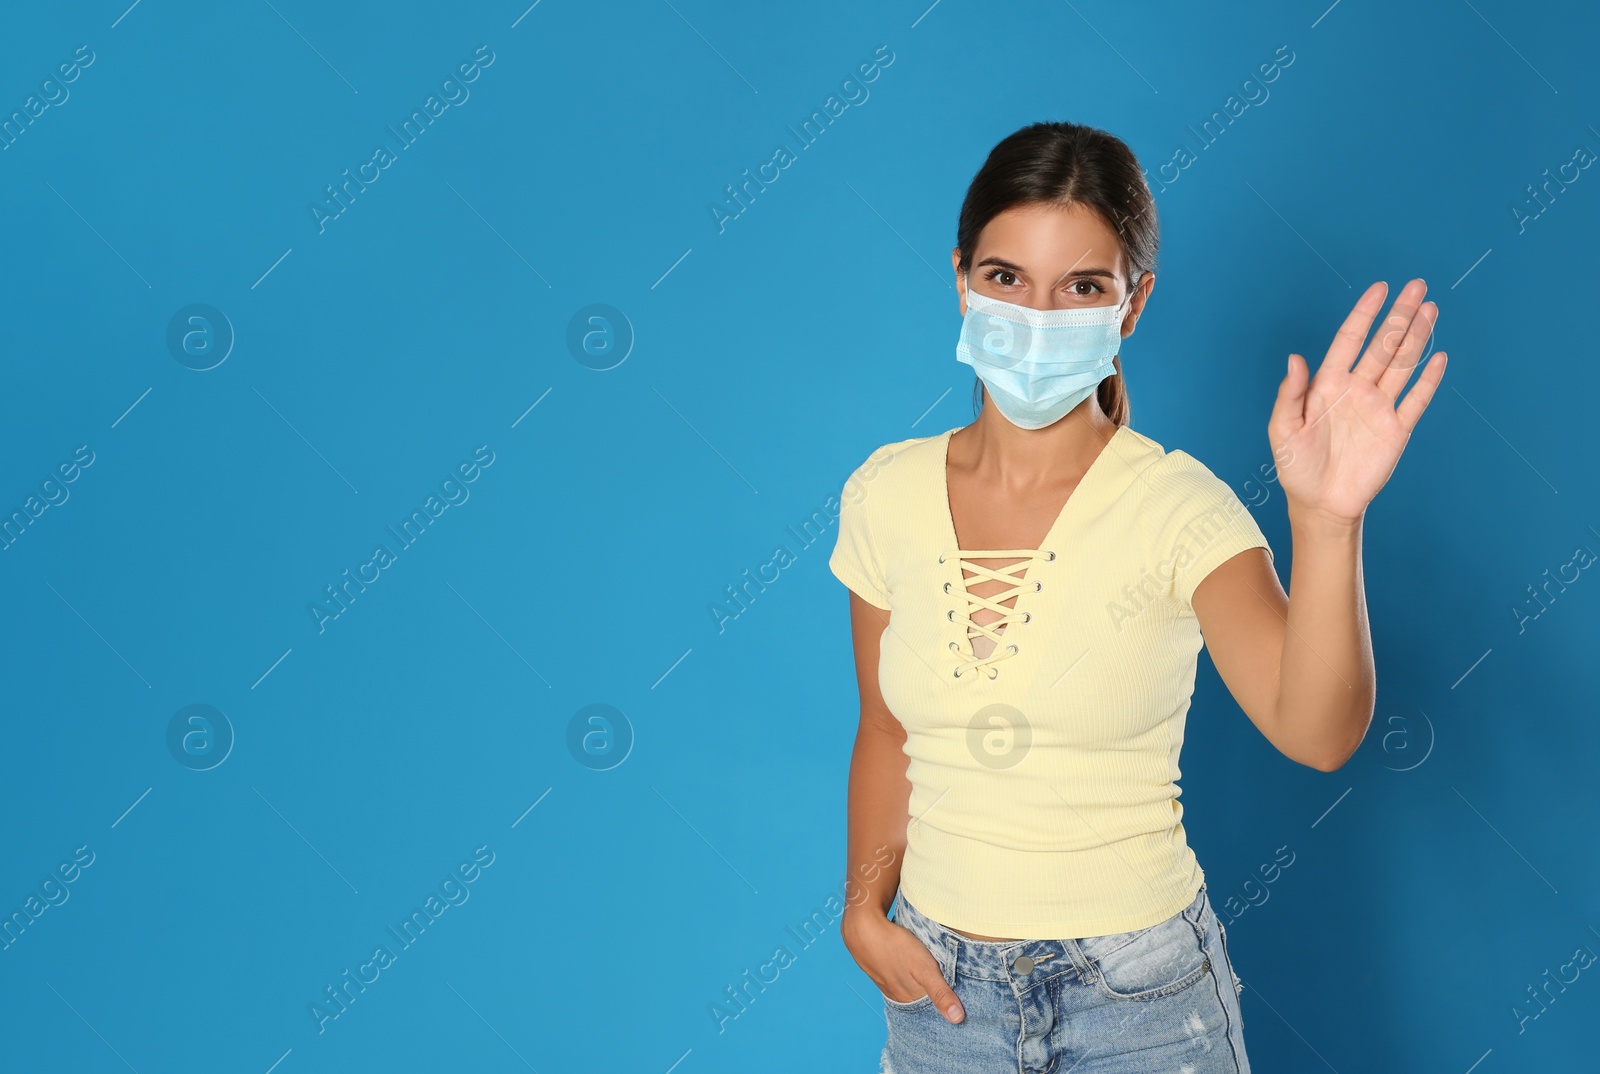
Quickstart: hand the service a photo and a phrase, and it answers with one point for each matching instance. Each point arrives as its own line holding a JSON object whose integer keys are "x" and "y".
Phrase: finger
{"x": 1289, "y": 409}
{"x": 1353, "y": 332}
{"x": 944, "y": 998}
{"x": 1393, "y": 333}
{"x": 1416, "y": 401}
{"x": 927, "y": 973}
{"x": 1418, "y": 338}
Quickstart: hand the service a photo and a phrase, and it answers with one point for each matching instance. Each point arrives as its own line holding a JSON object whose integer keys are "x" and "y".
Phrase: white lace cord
{"x": 1014, "y": 583}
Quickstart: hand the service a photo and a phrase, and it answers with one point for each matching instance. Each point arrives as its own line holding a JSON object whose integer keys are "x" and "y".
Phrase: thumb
{"x": 1289, "y": 409}
{"x": 944, "y": 997}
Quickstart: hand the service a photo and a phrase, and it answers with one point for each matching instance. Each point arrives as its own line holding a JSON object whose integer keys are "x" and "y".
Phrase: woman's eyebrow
{"x": 1011, "y": 266}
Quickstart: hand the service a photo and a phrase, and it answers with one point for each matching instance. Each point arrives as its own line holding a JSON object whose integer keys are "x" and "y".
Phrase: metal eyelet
{"x": 947, "y": 587}
{"x": 941, "y": 557}
{"x": 958, "y": 673}
{"x": 1038, "y": 586}
{"x": 1027, "y": 617}
{"x": 994, "y": 673}
{"x": 950, "y": 615}
{"x": 1048, "y": 556}
{"x": 1013, "y": 648}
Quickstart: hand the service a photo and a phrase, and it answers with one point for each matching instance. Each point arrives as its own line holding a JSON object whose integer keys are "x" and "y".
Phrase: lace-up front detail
{"x": 1014, "y": 584}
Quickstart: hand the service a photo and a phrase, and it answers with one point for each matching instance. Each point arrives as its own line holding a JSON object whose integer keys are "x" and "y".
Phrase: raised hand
{"x": 1341, "y": 434}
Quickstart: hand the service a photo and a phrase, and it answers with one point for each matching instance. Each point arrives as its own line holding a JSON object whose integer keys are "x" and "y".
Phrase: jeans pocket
{"x": 907, "y": 1008}
{"x": 1148, "y": 963}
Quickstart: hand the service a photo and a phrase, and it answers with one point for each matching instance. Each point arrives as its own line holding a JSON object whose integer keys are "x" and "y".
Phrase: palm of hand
{"x": 1341, "y": 435}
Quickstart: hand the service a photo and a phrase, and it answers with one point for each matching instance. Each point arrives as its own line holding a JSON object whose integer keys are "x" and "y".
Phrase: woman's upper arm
{"x": 1243, "y": 613}
{"x": 867, "y": 627}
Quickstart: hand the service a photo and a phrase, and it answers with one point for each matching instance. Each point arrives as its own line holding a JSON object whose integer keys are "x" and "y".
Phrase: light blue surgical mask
{"x": 1039, "y": 364}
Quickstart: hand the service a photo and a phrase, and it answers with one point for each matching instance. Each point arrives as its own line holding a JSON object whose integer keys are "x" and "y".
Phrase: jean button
{"x": 1022, "y": 964}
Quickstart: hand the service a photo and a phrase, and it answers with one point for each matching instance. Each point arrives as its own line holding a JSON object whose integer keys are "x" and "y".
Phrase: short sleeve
{"x": 855, "y": 559}
{"x": 1199, "y": 524}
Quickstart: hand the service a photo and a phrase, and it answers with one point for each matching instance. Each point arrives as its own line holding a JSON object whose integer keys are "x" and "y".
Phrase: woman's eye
{"x": 1090, "y": 283}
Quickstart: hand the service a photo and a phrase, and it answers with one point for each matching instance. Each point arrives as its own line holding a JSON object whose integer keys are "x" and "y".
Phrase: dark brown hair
{"x": 1066, "y": 164}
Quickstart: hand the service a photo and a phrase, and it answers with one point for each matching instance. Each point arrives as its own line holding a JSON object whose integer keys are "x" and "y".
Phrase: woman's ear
{"x": 1147, "y": 283}
{"x": 1136, "y": 300}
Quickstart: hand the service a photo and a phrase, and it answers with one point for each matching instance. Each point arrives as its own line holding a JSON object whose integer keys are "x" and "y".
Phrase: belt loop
{"x": 1199, "y": 904}
{"x": 952, "y": 951}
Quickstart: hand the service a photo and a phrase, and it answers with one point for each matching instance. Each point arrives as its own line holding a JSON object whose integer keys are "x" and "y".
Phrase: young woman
{"x": 1028, "y": 599}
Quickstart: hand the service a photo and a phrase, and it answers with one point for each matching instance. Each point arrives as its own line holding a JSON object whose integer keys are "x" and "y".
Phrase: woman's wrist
{"x": 862, "y": 919}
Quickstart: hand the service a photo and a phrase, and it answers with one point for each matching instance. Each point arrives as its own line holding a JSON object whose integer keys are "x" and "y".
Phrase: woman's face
{"x": 1051, "y": 257}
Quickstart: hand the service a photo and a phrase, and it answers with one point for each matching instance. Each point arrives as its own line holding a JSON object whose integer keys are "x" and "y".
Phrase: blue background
{"x": 639, "y": 875}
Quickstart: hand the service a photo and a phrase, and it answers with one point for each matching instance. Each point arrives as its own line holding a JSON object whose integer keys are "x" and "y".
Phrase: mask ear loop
{"x": 1133, "y": 291}
{"x": 1128, "y": 298}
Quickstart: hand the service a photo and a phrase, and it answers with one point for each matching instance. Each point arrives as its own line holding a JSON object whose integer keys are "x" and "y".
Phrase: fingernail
{"x": 954, "y": 1012}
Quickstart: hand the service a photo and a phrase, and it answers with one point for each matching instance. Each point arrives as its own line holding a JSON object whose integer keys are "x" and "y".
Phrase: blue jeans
{"x": 1162, "y": 998}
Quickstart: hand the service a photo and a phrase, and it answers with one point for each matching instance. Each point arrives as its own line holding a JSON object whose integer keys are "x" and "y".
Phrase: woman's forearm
{"x": 878, "y": 809}
{"x": 1326, "y": 681}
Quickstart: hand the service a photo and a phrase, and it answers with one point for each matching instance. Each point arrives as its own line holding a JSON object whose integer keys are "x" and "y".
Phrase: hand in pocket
{"x": 904, "y": 970}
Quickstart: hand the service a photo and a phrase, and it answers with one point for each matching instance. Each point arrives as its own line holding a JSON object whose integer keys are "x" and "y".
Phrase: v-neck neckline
{"x": 1061, "y": 516}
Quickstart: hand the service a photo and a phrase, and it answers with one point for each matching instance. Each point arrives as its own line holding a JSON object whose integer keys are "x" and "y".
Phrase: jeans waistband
{"x": 1024, "y": 962}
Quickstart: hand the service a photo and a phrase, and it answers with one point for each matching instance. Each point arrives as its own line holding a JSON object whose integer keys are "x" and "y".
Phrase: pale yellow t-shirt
{"x": 1044, "y": 761}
